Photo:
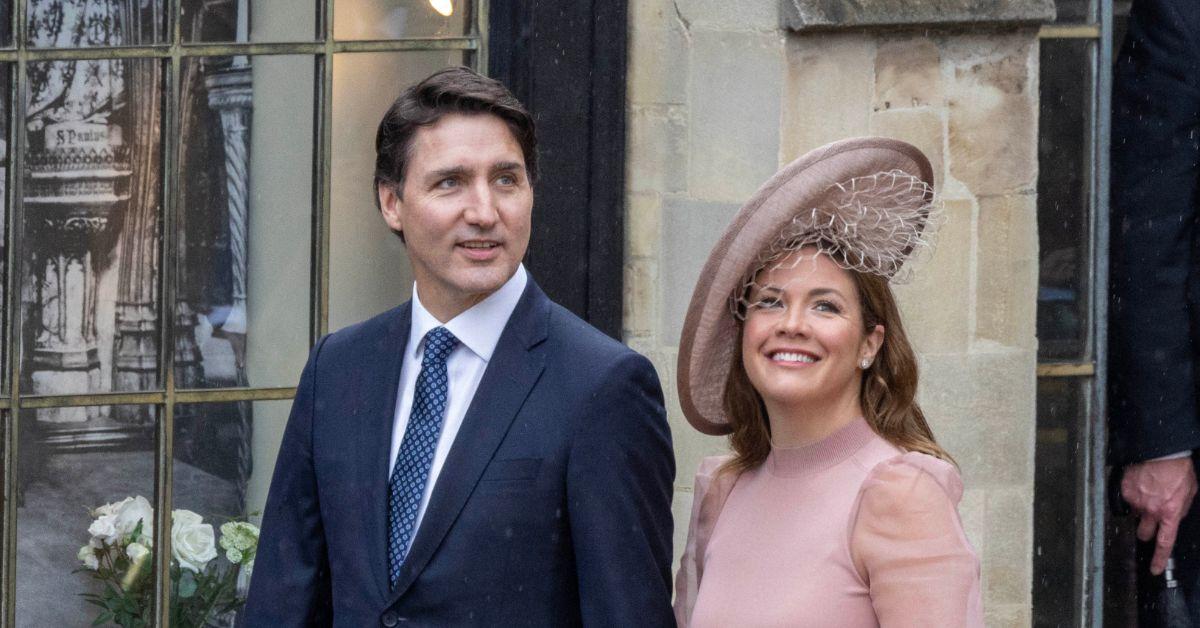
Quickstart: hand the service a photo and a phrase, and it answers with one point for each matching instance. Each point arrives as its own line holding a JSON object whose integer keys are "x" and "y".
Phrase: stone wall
{"x": 720, "y": 96}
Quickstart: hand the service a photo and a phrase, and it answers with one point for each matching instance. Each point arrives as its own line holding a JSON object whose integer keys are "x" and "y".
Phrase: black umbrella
{"x": 1165, "y": 605}
{"x": 1162, "y": 601}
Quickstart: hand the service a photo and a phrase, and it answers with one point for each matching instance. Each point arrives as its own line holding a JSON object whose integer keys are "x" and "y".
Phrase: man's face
{"x": 465, "y": 210}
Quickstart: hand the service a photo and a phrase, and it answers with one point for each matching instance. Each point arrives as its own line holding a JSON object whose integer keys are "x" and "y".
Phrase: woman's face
{"x": 803, "y": 338}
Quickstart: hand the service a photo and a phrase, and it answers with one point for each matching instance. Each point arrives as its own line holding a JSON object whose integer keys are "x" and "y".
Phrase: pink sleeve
{"x": 908, "y": 545}
{"x": 712, "y": 487}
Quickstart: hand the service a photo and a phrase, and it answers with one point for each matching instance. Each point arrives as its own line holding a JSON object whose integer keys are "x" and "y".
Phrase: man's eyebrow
{"x": 443, "y": 173}
{"x": 506, "y": 165}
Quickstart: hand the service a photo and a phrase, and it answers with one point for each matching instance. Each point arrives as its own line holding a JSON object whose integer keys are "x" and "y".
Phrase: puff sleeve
{"x": 711, "y": 488}
{"x": 908, "y": 545}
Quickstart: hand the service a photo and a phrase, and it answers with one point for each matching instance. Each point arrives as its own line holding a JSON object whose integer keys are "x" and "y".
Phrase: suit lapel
{"x": 380, "y": 390}
{"x": 510, "y": 375}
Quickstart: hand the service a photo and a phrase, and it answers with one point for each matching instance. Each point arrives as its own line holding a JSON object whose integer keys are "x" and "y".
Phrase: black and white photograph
{"x": 90, "y": 283}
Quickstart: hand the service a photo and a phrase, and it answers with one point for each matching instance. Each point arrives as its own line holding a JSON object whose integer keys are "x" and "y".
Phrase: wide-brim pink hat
{"x": 807, "y": 190}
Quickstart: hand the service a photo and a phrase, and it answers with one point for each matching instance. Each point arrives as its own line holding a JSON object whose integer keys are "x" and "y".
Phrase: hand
{"x": 1160, "y": 493}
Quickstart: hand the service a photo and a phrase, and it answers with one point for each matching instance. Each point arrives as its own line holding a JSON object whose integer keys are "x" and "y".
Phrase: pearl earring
{"x": 865, "y": 364}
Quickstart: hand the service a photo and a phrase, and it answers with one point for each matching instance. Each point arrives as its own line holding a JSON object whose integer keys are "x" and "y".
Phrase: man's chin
{"x": 484, "y": 281}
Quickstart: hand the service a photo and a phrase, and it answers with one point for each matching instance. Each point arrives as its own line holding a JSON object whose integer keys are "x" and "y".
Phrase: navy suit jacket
{"x": 552, "y": 508}
{"x": 1154, "y": 331}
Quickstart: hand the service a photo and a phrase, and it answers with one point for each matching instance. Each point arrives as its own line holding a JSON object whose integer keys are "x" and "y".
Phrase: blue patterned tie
{"x": 411, "y": 472}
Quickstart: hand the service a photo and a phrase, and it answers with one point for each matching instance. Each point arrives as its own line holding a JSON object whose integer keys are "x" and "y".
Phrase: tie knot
{"x": 439, "y": 342}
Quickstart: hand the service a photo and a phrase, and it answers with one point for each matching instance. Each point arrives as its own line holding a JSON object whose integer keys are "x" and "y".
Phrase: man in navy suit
{"x": 478, "y": 455}
{"x": 1154, "y": 334}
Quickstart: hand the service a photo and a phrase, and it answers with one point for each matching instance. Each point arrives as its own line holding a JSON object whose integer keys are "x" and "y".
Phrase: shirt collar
{"x": 478, "y": 327}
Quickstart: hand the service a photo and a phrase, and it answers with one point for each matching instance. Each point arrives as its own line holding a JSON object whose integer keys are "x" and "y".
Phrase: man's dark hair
{"x": 452, "y": 90}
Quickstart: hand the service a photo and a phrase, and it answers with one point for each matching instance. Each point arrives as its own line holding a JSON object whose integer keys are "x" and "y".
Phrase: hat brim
{"x": 709, "y": 329}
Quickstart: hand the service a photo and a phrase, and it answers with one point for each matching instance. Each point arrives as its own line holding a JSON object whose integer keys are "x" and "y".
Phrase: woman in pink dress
{"x": 837, "y": 506}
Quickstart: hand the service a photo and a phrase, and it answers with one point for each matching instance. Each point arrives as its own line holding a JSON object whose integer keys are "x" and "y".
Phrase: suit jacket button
{"x": 389, "y": 619}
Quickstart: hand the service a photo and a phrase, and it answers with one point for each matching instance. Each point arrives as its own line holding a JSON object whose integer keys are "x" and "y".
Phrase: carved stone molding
{"x": 801, "y": 15}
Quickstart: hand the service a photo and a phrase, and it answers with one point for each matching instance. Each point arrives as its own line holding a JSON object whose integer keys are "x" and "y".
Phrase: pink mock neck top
{"x": 849, "y": 531}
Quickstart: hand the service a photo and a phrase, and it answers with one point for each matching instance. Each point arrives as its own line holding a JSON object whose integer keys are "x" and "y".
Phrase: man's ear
{"x": 392, "y": 207}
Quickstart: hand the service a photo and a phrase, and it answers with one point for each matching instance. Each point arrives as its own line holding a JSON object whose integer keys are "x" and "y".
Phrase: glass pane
{"x": 245, "y": 229}
{"x": 394, "y": 19}
{"x": 1121, "y": 10}
{"x": 65, "y": 470}
{"x": 224, "y": 459}
{"x": 6, "y": 22}
{"x": 89, "y": 284}
{"x": 5, "y": 112}
{"x": 5, "y": 430}
{"x": 368, "y": 270}
{"x": 1075, "y": 11}
{"x": 90, "y": 23}
{"x": 1061, "y": 414}
{"x": 1063, "y": 206}
{"x": 248, "y": 20}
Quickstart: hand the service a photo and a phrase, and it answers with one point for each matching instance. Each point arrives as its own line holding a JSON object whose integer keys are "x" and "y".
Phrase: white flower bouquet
{"x": 120, "y": 554}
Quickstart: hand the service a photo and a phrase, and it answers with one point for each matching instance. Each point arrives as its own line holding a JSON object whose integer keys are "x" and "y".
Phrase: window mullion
{"x": 16, "y": 186}
{"x": 163, "y": 467}
{"x": 322, "y": 179}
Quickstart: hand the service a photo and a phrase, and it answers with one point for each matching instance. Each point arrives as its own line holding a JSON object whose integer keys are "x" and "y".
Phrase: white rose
{"x": 192, "y": 542}
{"x": 130, "y": 513}
{"x": 111, "y": 509}
{"x": 137, "y": 552}
{"x": 104, "y": 528}
{"x": 87, "y": 556}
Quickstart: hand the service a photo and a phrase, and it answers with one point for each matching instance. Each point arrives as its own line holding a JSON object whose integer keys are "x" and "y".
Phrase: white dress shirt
{"x": 478, "y": 331}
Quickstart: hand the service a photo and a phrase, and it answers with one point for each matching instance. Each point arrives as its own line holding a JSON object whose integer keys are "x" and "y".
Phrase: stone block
{"x": 826, "y": 14}
{"x": 934, "y": 323}
{"x": 993, "y": 104}
{"x": 733, "y": 101}
{"x": 639, "y": 298}
{"x": 647, "y": 347}
{"x": 658, "y": 66}
{"x": 908, "y": 73}
{"x": 981, "y": 407}
{"x": 1007, "y": 271}
{"x": 723, "y": 15}
{"x": 690, "y": 445}
{"x": 653, "y": 15}
{"x": 971, "y": 510}
{"x": 1007, "y": 558}
{"x": 827, "y": 91}
{"x": 1007, "y": 616}
{"x": 690, "y": 229}
{"x": 681, "y": 513}
{"x": 643, "y": 225}
{"x": 690, "y": 448}
{"x": 923, "y": 128}
{"x": 664, "y": 363}
{"x": 657, "y": 149}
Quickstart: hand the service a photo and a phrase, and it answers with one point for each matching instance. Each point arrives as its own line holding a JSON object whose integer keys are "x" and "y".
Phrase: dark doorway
{"x": 566, "y": 62}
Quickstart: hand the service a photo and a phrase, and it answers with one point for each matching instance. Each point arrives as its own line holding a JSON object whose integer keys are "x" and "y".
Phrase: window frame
{"x": 1090, "y": 477}
{"x": 322, "y": 50}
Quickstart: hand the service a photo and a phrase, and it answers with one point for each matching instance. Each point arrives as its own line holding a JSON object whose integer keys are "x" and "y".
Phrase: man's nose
{"x": 481, "y": 206}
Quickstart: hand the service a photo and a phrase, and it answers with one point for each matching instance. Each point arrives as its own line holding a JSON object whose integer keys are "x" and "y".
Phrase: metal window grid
{"x": 1091, "y": 507}
{"x": 171, "y": 54}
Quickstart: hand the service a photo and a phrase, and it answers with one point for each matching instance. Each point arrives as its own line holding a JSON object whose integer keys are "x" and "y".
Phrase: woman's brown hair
{"x": 888, "y": 391}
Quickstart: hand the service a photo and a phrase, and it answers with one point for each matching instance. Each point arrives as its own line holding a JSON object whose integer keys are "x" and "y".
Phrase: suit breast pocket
{"x": 512, "y": 474}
